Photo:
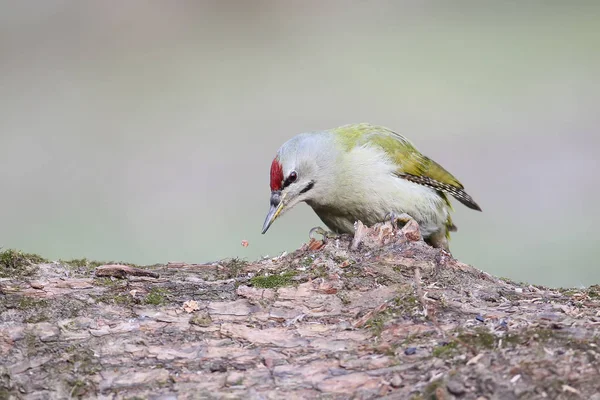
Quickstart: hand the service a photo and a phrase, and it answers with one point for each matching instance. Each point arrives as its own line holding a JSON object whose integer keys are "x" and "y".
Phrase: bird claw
{"x": 317, "y": 230}
{"x": 403, "y": 218}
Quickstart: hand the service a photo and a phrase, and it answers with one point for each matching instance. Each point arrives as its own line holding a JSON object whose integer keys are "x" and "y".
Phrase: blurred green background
{"x": 143, "y": 131}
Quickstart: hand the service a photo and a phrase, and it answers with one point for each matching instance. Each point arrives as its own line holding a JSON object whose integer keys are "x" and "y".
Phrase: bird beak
{"x": 277, "y": 203}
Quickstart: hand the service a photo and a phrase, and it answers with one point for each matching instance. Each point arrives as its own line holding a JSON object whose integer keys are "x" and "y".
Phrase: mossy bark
{"x": 393, "y": 318}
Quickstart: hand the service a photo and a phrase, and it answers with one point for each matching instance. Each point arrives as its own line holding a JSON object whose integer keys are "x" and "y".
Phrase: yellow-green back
{"x": 411, "y": 164}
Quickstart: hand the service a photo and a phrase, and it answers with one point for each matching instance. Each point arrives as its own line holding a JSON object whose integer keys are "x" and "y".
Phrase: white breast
{"x": 367, "y": 189}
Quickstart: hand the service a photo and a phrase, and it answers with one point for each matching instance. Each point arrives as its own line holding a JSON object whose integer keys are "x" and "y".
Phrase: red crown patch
{"x": 276, "y": 175}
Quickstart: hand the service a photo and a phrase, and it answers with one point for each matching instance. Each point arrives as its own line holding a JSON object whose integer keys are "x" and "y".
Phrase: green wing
{"x": 412, "y": 165}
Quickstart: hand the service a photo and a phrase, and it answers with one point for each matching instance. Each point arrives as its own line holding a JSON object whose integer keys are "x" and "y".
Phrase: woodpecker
{"x": 368, "y": 173}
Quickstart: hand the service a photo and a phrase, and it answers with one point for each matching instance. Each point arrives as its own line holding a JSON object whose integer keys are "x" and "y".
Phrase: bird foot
{"x": 403, "y": 219}
{"x": 410, "y": 228}
{"x": 317, "y": 230}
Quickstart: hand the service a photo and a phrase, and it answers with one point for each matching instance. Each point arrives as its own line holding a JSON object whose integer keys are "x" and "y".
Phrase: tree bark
{"x": 390, "y": 318}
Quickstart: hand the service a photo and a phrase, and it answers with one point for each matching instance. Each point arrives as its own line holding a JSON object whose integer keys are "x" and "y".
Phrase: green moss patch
{"x": 401, "y": 307}
{"x": 273, "y": 281}
{"x": 16, "y": 264}
{"x": 82, "y": 263}
{"x": 121, "y": 299}
{"x": 446, "y": 350}
{"x": 156, "y": 296}
{"x": 479, "y": 338}
{"x": 201, "y": 319}
{"x": 34, "y": 309}
{"x": 233, "y": 267}
{"x": 594, "y": 292}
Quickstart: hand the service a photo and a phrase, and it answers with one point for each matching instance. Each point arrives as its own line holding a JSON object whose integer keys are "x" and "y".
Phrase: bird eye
{"x": 290, "y": 179}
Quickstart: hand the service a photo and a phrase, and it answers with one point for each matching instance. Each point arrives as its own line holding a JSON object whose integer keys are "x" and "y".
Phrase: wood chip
{"x": 190, "y": 306}
{"x": 360, "y": 232}
{"x": 36, "y": 285}
{"x": 475, "y": 359}
{"x": 122, "y": 271}
{"x": 567, "y": 388}
{"x": 315, "y": 245}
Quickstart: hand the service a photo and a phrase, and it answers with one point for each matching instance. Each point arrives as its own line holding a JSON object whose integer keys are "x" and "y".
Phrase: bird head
{"x": 298, "y": 173}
